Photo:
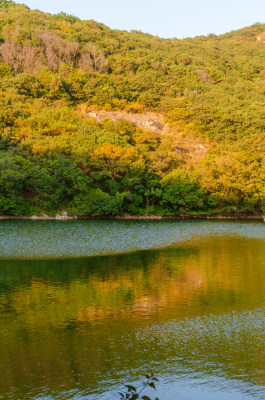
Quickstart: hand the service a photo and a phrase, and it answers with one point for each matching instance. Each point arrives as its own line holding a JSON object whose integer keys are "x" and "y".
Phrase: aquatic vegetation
{"x": 133, "y": 394}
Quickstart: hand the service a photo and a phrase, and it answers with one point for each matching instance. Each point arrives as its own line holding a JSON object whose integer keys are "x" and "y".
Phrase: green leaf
{"x": 155, "y": 379}
{"x": 147, "y": 376}
{"x": 131, "y": 387}
{"x": 146, "y": 398}
{"x": 135, "y": 396}
{"x": 122, "y": 395}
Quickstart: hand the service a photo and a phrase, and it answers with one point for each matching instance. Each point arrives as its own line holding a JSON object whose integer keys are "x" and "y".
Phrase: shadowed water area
{"x": 87, "y": 306}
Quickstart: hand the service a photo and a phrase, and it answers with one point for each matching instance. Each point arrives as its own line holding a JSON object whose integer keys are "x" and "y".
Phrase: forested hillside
{"x": 58, "y": 74}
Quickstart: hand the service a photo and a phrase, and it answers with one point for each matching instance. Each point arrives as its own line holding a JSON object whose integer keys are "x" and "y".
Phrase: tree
{"x": 180, "y": 192}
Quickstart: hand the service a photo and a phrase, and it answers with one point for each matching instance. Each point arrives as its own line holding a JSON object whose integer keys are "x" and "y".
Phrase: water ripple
{"x": 58, "y": 239}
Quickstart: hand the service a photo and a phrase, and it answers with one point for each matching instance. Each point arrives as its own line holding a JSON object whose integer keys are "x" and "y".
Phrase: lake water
{"x": 88, "y": 306}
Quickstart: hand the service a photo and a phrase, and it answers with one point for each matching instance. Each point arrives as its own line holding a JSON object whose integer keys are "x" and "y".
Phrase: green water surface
{"x": 87, "y": 306}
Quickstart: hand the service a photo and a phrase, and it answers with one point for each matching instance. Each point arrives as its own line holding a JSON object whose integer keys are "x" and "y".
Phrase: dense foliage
{"x": 54, "y": 69}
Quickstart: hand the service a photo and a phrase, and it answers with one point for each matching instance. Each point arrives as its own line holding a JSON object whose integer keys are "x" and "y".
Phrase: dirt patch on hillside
{"x": 190, "y": 146}
{"x": 261, "y": 37}
{"x": 152, "y": 122}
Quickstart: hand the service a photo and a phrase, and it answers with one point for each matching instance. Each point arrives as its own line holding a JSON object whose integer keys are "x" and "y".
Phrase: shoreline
{"x": 134, "y": 217}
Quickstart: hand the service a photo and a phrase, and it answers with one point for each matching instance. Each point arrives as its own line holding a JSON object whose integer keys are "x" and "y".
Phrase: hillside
{"x": 105, "y": 122}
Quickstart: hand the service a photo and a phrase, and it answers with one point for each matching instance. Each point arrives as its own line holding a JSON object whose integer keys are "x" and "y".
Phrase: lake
{"x": 88, "y": 306}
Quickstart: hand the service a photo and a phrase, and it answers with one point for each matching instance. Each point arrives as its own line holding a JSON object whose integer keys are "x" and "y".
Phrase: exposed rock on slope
{"x": 151, "y": 121}
{"x": 190, "y": 147}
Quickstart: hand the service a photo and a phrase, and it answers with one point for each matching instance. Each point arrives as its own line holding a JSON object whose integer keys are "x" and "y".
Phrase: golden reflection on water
{"x": 66, "y": 323}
